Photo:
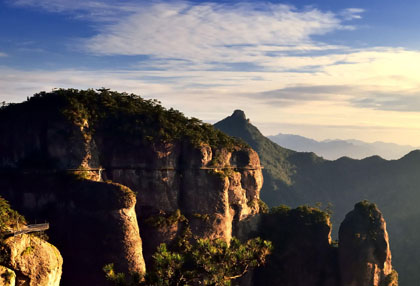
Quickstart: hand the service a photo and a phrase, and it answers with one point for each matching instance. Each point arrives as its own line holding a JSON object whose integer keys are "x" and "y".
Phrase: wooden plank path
{"x": 31, "y": 228}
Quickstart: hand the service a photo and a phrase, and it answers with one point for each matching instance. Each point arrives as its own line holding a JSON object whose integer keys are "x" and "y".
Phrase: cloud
{"x": 211, "y": 32}
{"x": 202, "y": 34}
{"x": 310, "y": 92}
{"x": 394, "y": 101}
{"x": 351, "y": 13}
{"x": 3, "y": 54}
{"x": 371, "y": 97}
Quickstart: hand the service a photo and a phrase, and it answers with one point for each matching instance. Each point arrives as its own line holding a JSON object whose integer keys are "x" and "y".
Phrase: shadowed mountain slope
{"x": 296, "y": 178}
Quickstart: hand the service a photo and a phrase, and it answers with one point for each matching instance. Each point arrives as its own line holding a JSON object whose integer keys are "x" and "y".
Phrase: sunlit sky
{"x": 324, "y": 69}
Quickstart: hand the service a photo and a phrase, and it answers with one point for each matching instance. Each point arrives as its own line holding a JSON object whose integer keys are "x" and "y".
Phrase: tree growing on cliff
{"x": 199, "y": 262}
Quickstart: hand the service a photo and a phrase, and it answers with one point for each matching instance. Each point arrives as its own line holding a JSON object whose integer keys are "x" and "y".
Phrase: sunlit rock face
{"x": 34, "y": 261}
{"x": 7, "y": 276}
{"x": 214, "y": 188}
{"x": 364, "y": 253}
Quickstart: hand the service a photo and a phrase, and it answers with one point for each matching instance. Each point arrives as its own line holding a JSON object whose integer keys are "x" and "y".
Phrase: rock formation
{"x": 34, "y": 262}
{"x": 116, "y": 175}
{"x": 304, "y": 254}
{"x": 364, "y": 254}
{"x": 78, "y": 172}
{"x": 7, "y": 276}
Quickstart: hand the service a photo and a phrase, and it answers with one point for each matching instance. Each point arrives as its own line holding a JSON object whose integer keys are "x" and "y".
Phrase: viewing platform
{"x": 31, "y": 228}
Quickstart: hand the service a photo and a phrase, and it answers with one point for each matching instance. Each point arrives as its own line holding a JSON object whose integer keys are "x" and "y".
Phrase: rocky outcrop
{"x": 34, "y": 261}
{"x": 364, "y": 253}
{"x": 7, "y": 276}
{"x": 214, "y": 188}
{"x": 92, "y": 223}
{"x": 304, "y": 254}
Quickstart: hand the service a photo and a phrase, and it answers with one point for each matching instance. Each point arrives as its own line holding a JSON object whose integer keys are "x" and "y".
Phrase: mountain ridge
{"x": 299, "y": 178}
{"x": 332, "y": 149}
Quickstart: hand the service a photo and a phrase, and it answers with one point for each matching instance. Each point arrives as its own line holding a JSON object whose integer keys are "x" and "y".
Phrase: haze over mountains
{"x": 334, "y": 149}
{"x": 299, "y": 178}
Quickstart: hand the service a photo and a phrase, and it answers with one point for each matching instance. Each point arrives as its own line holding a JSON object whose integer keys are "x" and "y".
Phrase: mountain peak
{"x": 239, "y": 114}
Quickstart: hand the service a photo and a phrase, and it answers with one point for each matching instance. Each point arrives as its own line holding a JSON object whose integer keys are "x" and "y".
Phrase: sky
{"x": 326, "y": 69}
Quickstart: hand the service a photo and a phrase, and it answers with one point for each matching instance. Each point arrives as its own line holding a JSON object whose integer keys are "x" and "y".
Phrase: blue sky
{"x": 324, "y": 69}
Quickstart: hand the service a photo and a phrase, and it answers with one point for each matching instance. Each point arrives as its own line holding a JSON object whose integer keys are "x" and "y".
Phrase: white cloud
{"x": 3, "y": 54}
{"x": 213, "y": 32}
{"x": 351, "y": 13}
{"x": 206, "y": 33}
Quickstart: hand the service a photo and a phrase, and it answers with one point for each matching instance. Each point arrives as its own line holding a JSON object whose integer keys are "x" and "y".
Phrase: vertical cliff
{"x": 364, "y": 253}
{"x": 304, "y": 254}
{"x": 113, "y": 172}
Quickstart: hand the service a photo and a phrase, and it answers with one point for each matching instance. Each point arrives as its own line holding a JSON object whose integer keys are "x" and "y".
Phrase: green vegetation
{"x": 261, "y": 204}
{"x": 281, "y": 210}
{"x": 263, "y": 207}
{"x": 114, "y": 113}
{"x": 28, "y": 250}
{"x": 307, "y": 214}
{"x": 203, "y": 217}
{"x": 204, "y": 261}
{"x": 196, "y": 261}
{"x": 9, "y": 218}
{"x": 166, "y": 220}
{"x": 368, "y": 208}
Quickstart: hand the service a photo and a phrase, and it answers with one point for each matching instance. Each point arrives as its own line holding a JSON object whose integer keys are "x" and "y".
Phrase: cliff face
{"x": 92, "y": 223}
{"x": 365, "y": 257}
{"x": 305, "y": 255}
{"x": 64, "y": 163}
{"x": 34, "y": 261}
{"x": 214, "y": 188}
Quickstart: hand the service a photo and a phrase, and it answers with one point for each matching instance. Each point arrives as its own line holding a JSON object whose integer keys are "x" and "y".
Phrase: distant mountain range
{"x": 334, "y": 149}
{"x": 298, "y": 178}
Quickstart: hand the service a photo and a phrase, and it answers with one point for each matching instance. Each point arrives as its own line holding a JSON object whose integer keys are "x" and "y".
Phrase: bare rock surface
{"x": 7, "y": 276}
{"x": 35, "y": 261}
